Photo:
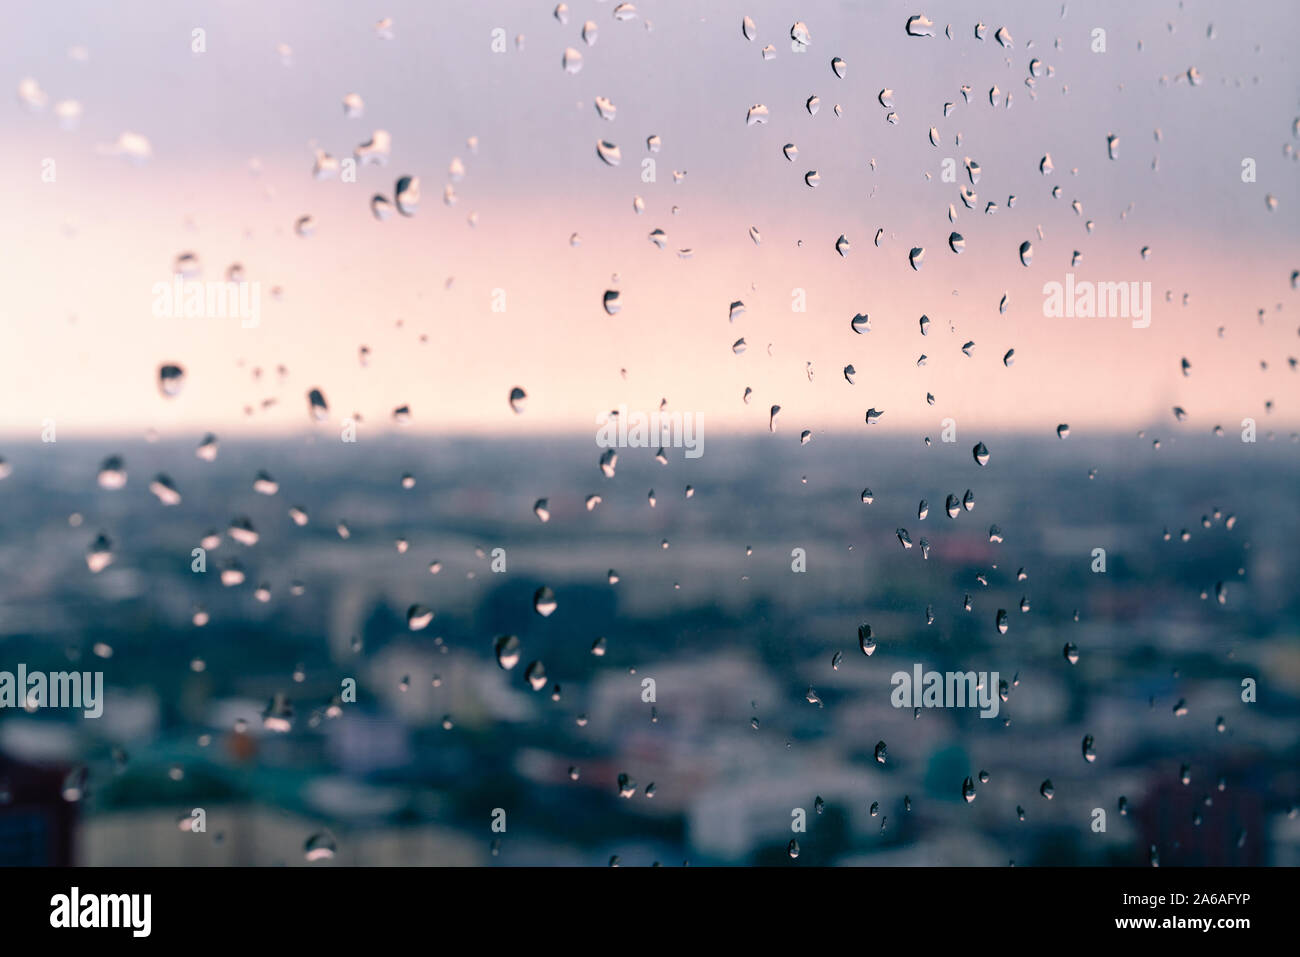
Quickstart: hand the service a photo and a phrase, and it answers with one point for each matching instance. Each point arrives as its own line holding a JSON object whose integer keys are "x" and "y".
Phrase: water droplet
{"x": 74, "y": 784}
{"x": 320, "y": 847}
{"x": 376, "y": 150}
{"x": 406, "y": 191}
{"x": 535, "y": 675}
{"x": 165, "y": 490}
{"x": 608, "y": 152}
{"x": 170, "y": 379}
{"x": 506, "y": 649}
{"x": 544, "y": 602}
{"x": 920, "y": 26}
{"x": 112, "y": 473}
{"x": 626, "y": 786}
{"x": 278, "y": 716}
{"x": 100, "y": 554}
{"x": 264, "y": 484}
{"x": 608, "y": 462}
{"x": 317, "y": 406}
{"x": 207, "y": 449}
{"x": 865, "y": 641}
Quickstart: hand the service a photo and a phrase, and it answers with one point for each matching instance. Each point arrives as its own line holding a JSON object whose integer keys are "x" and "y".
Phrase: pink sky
{"x": 84, "y": 252}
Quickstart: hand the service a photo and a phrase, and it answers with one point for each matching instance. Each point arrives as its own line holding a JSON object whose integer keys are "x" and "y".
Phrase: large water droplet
{"x": 920, "y": 26}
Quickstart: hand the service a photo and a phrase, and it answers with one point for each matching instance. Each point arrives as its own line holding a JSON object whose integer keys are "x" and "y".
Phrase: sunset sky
{"x": 83, "y": 253}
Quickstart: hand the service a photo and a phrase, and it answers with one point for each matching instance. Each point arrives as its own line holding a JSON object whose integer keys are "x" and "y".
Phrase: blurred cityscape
{"x": 224, "y": 687}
